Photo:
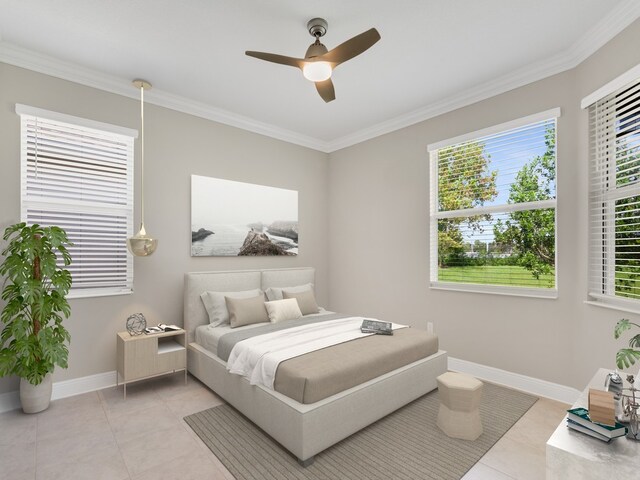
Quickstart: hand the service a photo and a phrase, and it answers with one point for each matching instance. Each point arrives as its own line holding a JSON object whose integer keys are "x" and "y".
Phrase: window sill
{"x": 97, "y": 293}
{"x": 550, "y": 293}
{"x": 613, "y": 306}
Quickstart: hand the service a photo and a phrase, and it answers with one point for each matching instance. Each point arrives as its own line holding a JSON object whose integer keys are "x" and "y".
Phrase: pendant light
{"x": 141, "y": 244}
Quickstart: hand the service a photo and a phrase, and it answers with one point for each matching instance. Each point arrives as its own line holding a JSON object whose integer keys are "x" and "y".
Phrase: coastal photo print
{"x": 231, "y": 219}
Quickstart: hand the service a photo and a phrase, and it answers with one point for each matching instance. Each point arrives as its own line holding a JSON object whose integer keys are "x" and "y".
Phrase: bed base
{"x": 306, "y": 430}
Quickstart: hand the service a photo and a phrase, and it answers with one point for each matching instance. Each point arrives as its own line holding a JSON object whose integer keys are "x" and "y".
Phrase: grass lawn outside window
{"x": 509, "y": 275}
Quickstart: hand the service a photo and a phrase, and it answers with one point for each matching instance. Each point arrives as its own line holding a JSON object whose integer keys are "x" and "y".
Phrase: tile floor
{"x": 101, "y": 436}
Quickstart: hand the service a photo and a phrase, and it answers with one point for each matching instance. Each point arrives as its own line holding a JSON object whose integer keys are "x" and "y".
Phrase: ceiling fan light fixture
{"x": 318, "y": 63}
{"x": 317, "y": 71}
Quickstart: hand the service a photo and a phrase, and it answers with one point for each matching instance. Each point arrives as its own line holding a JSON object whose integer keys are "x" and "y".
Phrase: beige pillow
{"x": 280, "y": 310}
{"x": 275, "y": 293}
{"x": 245, "y": 311}
{"x": 216, "y": 306}
{"x": 306, "y": 301}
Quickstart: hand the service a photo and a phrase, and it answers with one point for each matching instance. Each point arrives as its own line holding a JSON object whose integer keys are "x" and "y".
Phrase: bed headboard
{"x": 233, "y": 281}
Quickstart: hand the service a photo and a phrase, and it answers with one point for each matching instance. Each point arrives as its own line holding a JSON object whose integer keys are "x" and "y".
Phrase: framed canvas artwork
{"x": 242, "y": 219}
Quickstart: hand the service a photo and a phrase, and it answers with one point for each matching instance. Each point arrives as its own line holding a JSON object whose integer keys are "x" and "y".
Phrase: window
{"x": 78, "y": 174}
{"x": 493, "y": 209}
{"x": 614, "y": 198}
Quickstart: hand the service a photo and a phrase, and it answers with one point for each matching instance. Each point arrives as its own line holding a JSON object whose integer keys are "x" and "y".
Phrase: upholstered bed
{"x": 305, "y": 426}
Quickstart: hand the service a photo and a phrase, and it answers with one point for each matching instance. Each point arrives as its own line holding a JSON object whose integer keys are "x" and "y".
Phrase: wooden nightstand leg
{"x": 185, "y": 376}
{"x": 125, "y": 390}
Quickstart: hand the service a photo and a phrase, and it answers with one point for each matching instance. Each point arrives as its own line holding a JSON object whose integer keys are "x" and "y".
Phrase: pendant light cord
{"x": 142, "y": 155}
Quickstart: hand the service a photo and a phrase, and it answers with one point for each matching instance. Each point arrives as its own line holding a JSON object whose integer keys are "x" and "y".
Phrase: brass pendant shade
{"x": 141, "y": 244}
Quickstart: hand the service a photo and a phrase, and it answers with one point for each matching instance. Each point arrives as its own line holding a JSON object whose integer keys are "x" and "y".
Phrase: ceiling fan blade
{"x": 281, "y": 59}
{"x": 352, "y": 47}
{"x": 326, "y": 90}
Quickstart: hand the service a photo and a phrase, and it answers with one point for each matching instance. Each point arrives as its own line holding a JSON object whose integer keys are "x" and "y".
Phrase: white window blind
{"x": 80, "y": 178}
{"x": 493, "y": 209}
{"x": 614, "y": 198}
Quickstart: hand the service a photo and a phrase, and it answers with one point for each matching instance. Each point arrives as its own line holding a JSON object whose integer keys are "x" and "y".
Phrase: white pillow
{"x": 275, "y": 293}
{"x": 280, "y": 310}
{"x": 216, "y": 306}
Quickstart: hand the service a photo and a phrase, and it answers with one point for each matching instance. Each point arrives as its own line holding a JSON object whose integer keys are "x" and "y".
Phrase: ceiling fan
{"x": 318, "y": 63}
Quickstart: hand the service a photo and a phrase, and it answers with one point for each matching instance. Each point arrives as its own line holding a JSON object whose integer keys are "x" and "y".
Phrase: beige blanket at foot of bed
{"x": 320, "y": 374}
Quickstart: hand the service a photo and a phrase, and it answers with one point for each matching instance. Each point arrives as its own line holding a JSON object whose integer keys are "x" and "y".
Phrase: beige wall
{"x": 177, "y": 145}
{"x": 372, "y": 198}
{"x": 379, "y": 242}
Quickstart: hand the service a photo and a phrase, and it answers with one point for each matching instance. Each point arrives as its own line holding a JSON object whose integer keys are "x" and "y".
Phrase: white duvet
{"x": 257, "y": 358}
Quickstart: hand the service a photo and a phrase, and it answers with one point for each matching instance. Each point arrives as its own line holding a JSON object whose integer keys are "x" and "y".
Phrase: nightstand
{"x": 144, "y": 356}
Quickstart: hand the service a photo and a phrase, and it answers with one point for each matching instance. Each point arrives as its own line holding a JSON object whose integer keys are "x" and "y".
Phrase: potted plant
{"x": 627, "y": 356}
{"x": 33, "y": 340}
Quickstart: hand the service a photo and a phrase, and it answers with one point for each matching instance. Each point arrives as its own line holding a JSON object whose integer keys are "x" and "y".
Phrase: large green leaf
{"x": 634, "y": 342}
{"x": 622, "y": 326}
{"x": 626, "y": 357}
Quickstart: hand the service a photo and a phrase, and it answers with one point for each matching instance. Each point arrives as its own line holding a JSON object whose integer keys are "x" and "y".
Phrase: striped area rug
{"x": 408, "y": 444}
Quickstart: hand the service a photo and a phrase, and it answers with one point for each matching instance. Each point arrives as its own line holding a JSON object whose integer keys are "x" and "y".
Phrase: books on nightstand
{"x": 168, "y": 328}
{"x": 578, "y": 420}
{"x": 161, "y": 328}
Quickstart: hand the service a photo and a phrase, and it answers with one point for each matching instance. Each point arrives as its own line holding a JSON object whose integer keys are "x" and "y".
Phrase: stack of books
{"x": 578, "y": 419}
{"x": 375, "y": 326}
{"x": 161, "y": 328}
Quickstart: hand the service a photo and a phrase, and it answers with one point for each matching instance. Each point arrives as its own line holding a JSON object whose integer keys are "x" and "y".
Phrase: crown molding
{"x": 38, "y": 62}
{"x": 203, "y": 110}
{"x": 610, "y": 25}
{"x": 596, "y": 37}
{"x": 607, "y": 28}
{"x": 518, "y": 78}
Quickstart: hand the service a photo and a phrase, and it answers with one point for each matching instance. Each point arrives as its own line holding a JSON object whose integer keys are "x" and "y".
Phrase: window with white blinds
{"x": 493, "y": 209}
{"x": 78, "y": 175}
{"x": 614, "y": 198}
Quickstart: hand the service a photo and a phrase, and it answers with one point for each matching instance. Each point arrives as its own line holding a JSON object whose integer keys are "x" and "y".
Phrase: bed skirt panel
{"x": 307, "y": 429}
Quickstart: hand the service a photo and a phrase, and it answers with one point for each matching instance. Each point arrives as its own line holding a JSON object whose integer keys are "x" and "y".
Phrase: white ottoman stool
{"x": 460, "y": 396}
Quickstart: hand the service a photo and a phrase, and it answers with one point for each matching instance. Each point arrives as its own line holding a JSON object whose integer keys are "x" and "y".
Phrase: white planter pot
{"x": 35, "y": 398}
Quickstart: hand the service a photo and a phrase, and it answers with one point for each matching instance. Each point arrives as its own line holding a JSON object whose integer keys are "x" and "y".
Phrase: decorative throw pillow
{"x": 245, "y": 311}
{"x": 306, "y": 301}
{"x": 280, "y": 310}
{"x": 216, "y": 307}
{"x": 275, "y": 293}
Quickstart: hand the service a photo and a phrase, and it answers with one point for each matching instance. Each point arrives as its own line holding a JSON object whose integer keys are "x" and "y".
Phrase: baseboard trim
{"x": 535, "y": 386}
{"x": 76, "y": 386}
{"x": 66, "y": 388}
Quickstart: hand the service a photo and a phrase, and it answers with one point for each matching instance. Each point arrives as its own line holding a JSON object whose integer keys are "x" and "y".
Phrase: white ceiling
{"x": 434, "y": 55}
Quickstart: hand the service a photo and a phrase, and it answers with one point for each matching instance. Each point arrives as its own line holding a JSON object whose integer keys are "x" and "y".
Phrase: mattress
{"x": 208, "y": 336}
{"x": 317, "y": 375}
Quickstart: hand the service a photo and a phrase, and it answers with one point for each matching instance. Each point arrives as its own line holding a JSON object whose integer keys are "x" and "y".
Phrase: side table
{"x": 572, "y": 455}
{"x": 144, "y": 356}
